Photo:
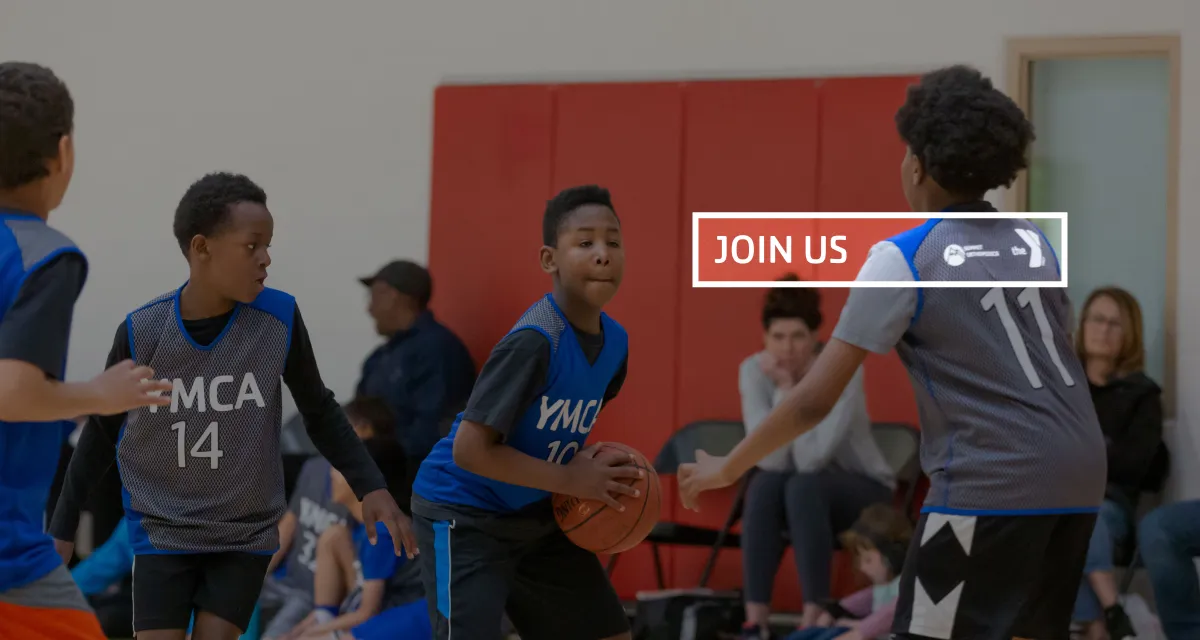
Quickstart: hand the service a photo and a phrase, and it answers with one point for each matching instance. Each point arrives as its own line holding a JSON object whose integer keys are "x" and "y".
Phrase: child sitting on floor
{"x": 364, "y": 591}
{"x": 879, "y": 541}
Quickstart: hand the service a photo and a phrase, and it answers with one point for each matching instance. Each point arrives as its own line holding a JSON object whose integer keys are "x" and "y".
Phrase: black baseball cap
{"x": 404, "y": 276}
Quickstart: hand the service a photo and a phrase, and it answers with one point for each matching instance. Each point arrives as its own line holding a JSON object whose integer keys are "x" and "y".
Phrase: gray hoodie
{"x": 842, "y": 440}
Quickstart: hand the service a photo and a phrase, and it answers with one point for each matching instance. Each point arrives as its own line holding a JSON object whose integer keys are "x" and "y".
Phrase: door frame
{"x": 1021, "y": 53}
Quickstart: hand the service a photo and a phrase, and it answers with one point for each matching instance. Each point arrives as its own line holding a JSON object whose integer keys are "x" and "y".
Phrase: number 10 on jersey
{"x": 209, "y": 437}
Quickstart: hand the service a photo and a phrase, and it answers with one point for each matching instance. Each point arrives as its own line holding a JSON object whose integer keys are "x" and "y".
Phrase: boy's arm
{"x": 33, "y": 354}
{"x": 510, "y": 382}
{"x": 324, "y": 419}
{"x": 33, "y": 345}
{"x": 818, "y": 446}
{"x": 873, "y": 320}
{"x": 335, "y": 439}
{"x": 94, "y": 455}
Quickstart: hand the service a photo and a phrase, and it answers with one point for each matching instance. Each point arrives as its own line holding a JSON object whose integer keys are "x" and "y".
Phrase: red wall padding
{"x": 492, "y": 162}
{"x": 627, "y": 137}
{"x": 751, "y": 146}
{"x": 860, "y": 171}
{"x": 665, "y": 150}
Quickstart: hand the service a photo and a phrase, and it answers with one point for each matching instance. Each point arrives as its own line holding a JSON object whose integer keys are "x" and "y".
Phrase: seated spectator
{"x": 360, "y": 588}
{"x": 1169, "y": 542}
{"x": 287, "y": 595}
{"x": 424, "y": 371}
{"x": 879, "y": 541}
{"x": 814, "y": 488}
{"x": 1129, "y": 405}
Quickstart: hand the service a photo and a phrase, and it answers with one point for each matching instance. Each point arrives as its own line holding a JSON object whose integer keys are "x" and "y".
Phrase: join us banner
{"x": 825, "y": 249}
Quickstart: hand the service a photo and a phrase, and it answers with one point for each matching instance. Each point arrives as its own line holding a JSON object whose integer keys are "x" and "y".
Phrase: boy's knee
{"x": 334, "y": 536}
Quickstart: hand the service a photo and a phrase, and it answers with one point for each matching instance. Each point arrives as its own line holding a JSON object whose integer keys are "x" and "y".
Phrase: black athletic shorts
{"x": 167, "y": 587}
{"x": 478, "y": 565}
{"x": 992, "y": 577}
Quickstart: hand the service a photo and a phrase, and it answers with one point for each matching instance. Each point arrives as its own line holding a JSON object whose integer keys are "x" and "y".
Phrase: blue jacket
{"x": 425, "y": 375}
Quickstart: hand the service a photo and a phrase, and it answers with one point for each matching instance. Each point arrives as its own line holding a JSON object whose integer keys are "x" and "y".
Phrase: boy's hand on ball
{"x": 595, "y": 477}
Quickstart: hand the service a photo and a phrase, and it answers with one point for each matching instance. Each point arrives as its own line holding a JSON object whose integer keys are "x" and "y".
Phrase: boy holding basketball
{"x": 481, "y": 500}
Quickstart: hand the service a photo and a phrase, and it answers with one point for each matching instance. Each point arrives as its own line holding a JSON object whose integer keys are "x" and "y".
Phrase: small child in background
{"x": 879, "y": 541}
{"x": 287, "y": 595}
{"x": 363, "y": 591}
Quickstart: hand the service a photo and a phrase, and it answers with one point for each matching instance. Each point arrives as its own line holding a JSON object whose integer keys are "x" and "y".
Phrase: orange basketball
{"x": 595, "y": 526}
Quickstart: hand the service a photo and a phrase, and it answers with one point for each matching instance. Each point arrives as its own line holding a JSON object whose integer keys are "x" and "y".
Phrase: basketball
{"x": 595, "y": 526}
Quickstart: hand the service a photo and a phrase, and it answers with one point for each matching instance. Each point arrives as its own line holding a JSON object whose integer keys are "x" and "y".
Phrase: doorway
{"x": 1106, "y": 115}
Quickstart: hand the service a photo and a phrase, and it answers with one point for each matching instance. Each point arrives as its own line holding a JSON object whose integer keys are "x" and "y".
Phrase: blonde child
{"x": 879, "y": 541}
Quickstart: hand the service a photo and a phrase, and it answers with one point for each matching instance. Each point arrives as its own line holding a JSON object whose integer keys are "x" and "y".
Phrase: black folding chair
{"x": 717, "y": 437}
{"x": 901, "y": 446}
{"x": 899, "y": 443}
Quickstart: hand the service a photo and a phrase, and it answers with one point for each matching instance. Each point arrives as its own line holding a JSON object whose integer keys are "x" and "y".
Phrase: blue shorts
{"x": 405, "y": 622}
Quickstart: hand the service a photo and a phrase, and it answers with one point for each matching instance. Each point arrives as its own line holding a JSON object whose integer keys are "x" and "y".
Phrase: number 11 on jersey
{"x": 1030, "y": 298}
{"x": 210, "y": 435}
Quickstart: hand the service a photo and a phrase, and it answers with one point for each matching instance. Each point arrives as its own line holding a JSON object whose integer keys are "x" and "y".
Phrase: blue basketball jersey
{"x": 553, "y": 428}
{"x": 29, "y": 451}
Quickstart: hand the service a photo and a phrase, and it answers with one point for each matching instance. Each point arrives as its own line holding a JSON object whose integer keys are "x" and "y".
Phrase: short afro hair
{"x": 206, "y": 204}
{"x": 786, "y": 302}
{"x": 969, "y": 136}
{"x": 36, "y": 111}
{"x": 559, "y": 208}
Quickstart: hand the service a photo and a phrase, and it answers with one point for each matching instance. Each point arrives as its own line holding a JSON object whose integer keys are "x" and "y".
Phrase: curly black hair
{"x": 969, "y": 136}
{"x": 559, "y": 208}
{"x": 787, "y": 302}
{"x": 36, "y": 111}
{"x": 206, "y": 204}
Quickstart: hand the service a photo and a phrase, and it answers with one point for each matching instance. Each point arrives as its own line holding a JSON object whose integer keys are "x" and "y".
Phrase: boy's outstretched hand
{"x": 379, "y": 506}
{"x": 594, "y": 477}
{"x": 125, "y": 386}
{"x": 705, "y": 474}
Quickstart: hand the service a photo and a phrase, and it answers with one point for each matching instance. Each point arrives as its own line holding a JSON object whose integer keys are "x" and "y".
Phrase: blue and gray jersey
{"x": 1007, "y": 421}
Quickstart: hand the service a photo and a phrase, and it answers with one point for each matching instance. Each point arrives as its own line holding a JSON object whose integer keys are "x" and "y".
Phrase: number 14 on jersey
{"x": 209, "y": 437}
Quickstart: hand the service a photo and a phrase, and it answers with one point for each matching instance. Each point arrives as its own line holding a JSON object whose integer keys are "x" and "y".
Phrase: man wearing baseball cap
{"x": 423, "y": 371}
